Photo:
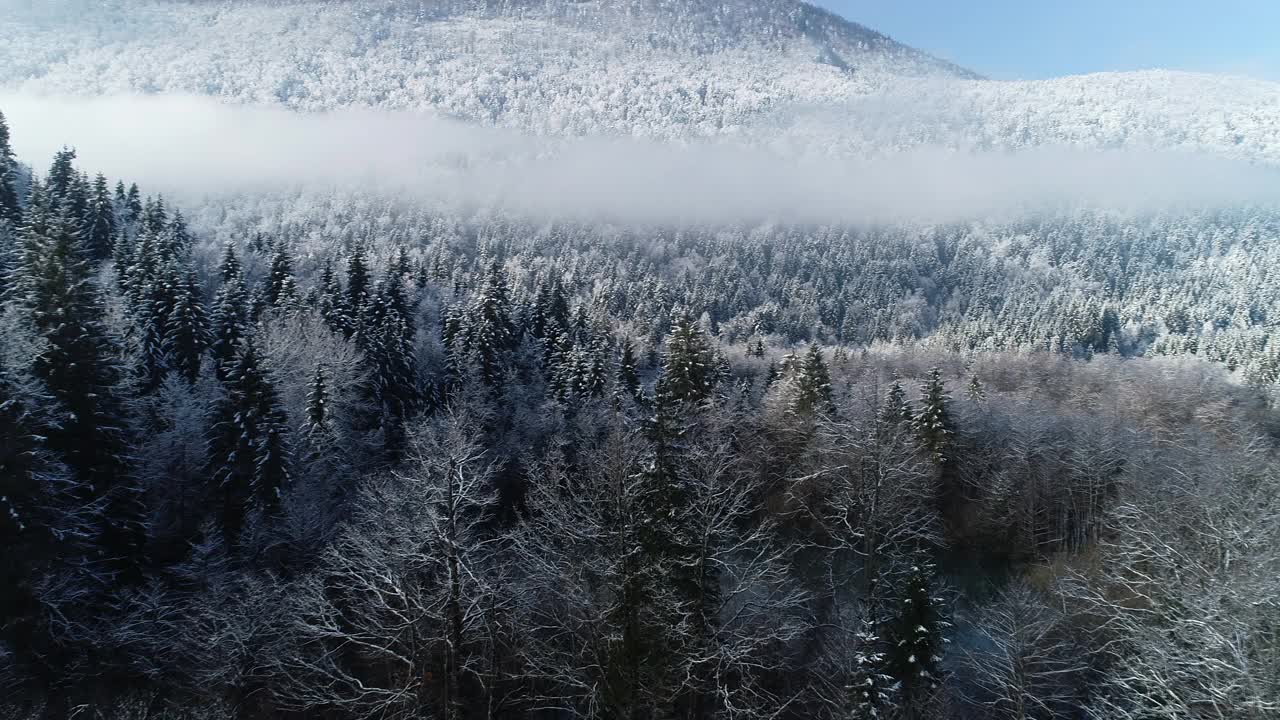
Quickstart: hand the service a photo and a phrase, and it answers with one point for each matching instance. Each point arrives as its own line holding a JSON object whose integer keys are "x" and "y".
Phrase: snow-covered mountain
{"x": 778, "y": 72}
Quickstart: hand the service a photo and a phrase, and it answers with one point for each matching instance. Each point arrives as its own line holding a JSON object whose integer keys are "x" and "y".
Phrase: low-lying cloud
{"x": 199, "y": 145}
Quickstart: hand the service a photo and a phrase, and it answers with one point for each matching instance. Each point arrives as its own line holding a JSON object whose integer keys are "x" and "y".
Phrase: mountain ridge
{"x": 779, "y": 71}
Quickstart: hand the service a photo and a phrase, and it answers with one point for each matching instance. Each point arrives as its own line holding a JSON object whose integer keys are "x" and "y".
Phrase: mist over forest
{"x": 625, "y": 360}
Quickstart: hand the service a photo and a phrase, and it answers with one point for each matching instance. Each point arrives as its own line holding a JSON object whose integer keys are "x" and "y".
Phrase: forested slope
{"x": 777, "y": 73}
{"x": 349, "y": 458}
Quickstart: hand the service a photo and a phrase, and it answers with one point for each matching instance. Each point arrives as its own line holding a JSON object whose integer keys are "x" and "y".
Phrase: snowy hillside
{"x": 666, "y": 69}
{"x": 778, "y": 72}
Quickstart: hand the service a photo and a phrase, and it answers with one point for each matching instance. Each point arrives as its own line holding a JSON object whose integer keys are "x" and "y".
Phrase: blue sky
{"x": 1010, "y": 39}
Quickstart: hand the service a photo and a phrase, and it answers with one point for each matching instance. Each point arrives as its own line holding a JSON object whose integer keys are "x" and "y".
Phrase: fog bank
{"x": 186, "y": 144}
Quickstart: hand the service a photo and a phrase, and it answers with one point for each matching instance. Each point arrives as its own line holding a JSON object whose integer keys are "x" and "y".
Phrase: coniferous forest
{"x": 311, "y": 455}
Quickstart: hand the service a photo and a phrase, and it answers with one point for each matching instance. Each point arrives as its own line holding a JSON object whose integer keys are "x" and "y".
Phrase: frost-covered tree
{"x": 10, "y": 209}
{"x": 229, "y": 322}
{"x": 386, "y": 338}
{"x": 486, "y": 333}
{"x": 626, "y": 376}
{"x": 809, "y": 382}
{"x": 916, "y": 636}
{"x": 100, "y": 223}
{"x": 872, "y": 691}
{"x": 78, "y": 364}
{"x": 281, "y": 289}
{"x": 933, "y": 421}
{"x": 186, "y": 329}
{"x": 688, "y": 367}
{"x": 1028, "y": 664}
{"x": 409, "y": 627}
{"x": 248, "y": 457}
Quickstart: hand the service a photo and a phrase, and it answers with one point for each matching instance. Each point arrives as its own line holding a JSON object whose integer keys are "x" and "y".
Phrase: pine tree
{"x": 332, "y": 303}
{"x": 62, "y": 177}
{"x": 627, "y": 377}
{"x": 916, "y": 637}
{"x": 810, "y": 384}
{"x": 24, "y": 505}
{"x": 101, "y": 221}
{"x": 688, "y": 370}
{"x": 661, "y": 577}
{"x": 896, "y": 410}
{"x": 230, "y": 324}
{"x": 317, "y": 422}
{"x": 933, "y": 423}
{"x": 248, "y": 458}
{"x": 42, "y": 526}
{"x": 78, "y": 366}
{"x": 488, "y": 331}
{"x": 133, "y": 204}
{"x": 594, "y": 374}
{"x": 871, "y": 687}
{"x": 151, "y": 313}
{"x": 177, "y": 239}
{"x": 186, "y": 329}
{"x": 10, "y": 210}
{"x": 386, "y": 338}
{"x": 229, "y": 267}
{"x": 155, "y": 218}
{"x": 281, "y": 289}
{"x": 550, "y": 309}
{"x": 357, "y": 287}
{"x": 976, "y": 391}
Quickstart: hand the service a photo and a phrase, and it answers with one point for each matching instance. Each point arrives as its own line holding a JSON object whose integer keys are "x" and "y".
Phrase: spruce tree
{"x": 281, "y": 288}
{"x": 186, "y": 329}
{"x": 916, "y": 636}
{"x": 317, "y": 423}
{"x": 332, "y": 303}
{"x": 550, "y": 308}
{"x": 594, "y": 374}
{"x": 871, "y": 685}
{"x": 10, "y": 209}
{"x": 229, "y": 321}
{"x": 896, "y": 410}
{"x": 155, "y": 218}
{"x": 140, "y": 268}
{"x": 177, "y": 238}
{"x": 976, "y": 391}
{"x": 26, "y": 529}
{"x": 62, "y": 177}
{"x": 78, "y": 365}
{"x": 662, "y": 575}
{"x": 43, "y": 525}
{"x": 248, "y": 458}
{"x": 357, "y": 287}
{"x": 386, "y": 338}
{"x": 688, "y": 369}
{"x": 933, "y": 423}
{"x": 133, "y": 204}
{"x": 152, "y": 312}
{"x": 229, "y": 267}
{"x": 811, "y": 384}
{"x": 627, "y": 377}
{"x": 489, "y": 333}
{"x": 101, "y": 221}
